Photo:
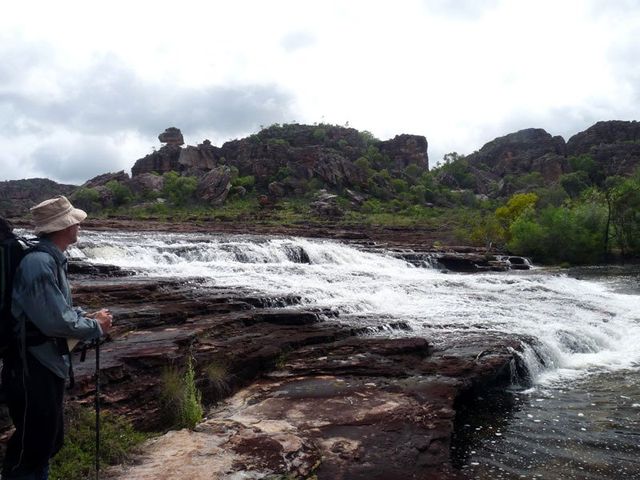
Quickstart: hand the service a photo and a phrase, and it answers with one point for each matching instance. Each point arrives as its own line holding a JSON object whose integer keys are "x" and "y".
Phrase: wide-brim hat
{"x": 55, "y": 214}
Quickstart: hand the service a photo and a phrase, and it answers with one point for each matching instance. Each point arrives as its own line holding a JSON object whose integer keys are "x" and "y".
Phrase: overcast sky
{"x": 86, "y": 87}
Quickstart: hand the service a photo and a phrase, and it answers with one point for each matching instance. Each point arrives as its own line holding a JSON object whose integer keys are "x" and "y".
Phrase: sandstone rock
{"x": 608, "y": 132}
{"x": 214, "y": 186}
{"x": 171, "y": 136}
{"x": 614, "y": 145}
{"x": 326, "y": 205}
{"x": 17, "y": 196}
{"x": 105, "y": 178}
{"x": 203, "y": 157}
{"x": 522, "y": 152}
{"x": 277, "y": 189}
{"x": 239, "y": 191}
{"x": 146, "y": 183}
{"x": 162, "y": 161}
{"x": 405, "y": 150}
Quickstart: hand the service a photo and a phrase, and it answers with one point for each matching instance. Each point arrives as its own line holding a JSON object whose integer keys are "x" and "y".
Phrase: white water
{"x": 581, "y": 327}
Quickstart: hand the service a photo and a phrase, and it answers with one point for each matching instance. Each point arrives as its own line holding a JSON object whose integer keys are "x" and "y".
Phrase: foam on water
{"x": 578, "y": 326}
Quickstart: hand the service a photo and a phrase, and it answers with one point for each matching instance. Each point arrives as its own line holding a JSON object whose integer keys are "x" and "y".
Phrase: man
{"x": 46, "y": 318}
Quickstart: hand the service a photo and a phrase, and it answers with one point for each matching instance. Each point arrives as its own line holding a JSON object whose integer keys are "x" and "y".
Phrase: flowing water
{"x": 578, "y": 418}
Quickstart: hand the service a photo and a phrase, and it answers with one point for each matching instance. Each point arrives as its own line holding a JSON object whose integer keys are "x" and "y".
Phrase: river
{"x": 576, "y": 415}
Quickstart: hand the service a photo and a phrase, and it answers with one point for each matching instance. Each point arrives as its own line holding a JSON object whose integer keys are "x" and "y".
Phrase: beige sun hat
{"x": 55, "y": 214}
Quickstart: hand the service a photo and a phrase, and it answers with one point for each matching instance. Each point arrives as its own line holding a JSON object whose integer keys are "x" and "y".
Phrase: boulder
{"x": 214, "y": 186}
{"x": 146, "y": 183}
{"x": 171, "y": 136}
{"x": 326, "y": 205}
{"x": 277, "y": 189}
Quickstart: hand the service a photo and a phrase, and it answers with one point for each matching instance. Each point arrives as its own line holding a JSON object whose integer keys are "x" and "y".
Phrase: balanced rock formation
{"x": 290, "y": 154}
{"x": 171, "y": 136}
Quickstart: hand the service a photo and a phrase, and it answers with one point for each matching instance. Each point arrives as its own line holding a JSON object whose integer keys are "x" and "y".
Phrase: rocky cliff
{"x": 17, "y": 196}
{"x": 300, "y": 152}
{"x": 614, "y": 145}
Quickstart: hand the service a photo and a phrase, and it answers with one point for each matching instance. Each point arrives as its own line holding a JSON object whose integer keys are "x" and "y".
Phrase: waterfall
{"x": 578, "y": 326}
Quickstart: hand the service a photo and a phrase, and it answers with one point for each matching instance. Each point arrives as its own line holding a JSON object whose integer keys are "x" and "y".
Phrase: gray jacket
{"x": 41, "y": 294}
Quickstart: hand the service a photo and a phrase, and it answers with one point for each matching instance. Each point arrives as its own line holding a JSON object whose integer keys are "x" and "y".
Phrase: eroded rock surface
{"x": 296, "y": 392}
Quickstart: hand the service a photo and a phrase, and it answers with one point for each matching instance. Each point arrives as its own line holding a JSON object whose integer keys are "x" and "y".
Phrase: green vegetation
{"x": 583, "y": 217}
{"x": 76, "y": 460}
{"x": 180, "y": 398}
{"x": 179, "y": 190}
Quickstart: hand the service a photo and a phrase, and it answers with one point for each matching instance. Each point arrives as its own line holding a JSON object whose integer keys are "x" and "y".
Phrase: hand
{"x": 105, "y": 319}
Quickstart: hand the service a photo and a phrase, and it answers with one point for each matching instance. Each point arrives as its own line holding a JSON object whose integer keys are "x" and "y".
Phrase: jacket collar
{"x": 53, "y": 250}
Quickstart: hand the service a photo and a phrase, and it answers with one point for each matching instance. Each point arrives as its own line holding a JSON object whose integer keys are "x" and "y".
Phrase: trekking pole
{"x": 98, "y": 409}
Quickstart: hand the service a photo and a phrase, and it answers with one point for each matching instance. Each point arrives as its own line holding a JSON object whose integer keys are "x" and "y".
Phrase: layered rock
{"x": 214, "y": 186}
{"x": 166, "y": 159}
{"x": 614, "y": 145}
{"x": 405, "y": 150}
{"x": 171, "y": 136}
{"x": 302, "y": 152}
{"x": 312, "y": 397}
{"x": 105, "y": 178}
{"x": 522, "y": 152}
{"x": 17, "y": 196}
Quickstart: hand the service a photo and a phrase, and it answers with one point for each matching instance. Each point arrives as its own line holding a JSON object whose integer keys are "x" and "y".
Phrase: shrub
{"x": 180, "y": 399}
{"x": 247, "y": 182}
{"x": 319, "y": 134}
{"x": 76, "y": 459}
{"x": 179, "y": 190}
{"x": 121, "y": 193}
{"x": 87, "y": 199}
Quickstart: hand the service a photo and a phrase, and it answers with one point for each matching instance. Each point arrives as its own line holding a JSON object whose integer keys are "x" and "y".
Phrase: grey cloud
{"x": 76, "y": 161}
{"x": 297, "y": 40}
{"x": 109, "y": 97}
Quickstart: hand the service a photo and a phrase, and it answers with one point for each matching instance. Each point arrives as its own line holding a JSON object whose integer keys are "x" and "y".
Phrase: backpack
{"x": 12, "y": 251}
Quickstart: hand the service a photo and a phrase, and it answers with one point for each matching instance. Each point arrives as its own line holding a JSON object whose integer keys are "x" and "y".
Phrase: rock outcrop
{"x": 214, "y": 186}
{"x": 17, "y": 196}
{"x": 171, "y": 136}
{"x": 166, "y": 159}
{"x": 614, "y": 145}
{"x": 105, "y": 178}
{"x": 306, "y": 394}
{"x": 405, "y": 150}
{"x": 522, "y": 152}
{"x": 292, "y": 153}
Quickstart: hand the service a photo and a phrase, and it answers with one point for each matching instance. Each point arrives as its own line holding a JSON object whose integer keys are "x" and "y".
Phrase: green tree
{"x": 178, "y": 189}
{"x": 121, "y": 193}
{"x": 87, "y": 199}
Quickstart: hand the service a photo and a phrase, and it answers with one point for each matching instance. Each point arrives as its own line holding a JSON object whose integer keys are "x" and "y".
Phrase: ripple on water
{"x": 586, "y": 429}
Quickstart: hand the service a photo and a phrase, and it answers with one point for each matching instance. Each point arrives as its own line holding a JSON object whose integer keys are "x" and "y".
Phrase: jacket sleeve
{"x": 37, "y": 295}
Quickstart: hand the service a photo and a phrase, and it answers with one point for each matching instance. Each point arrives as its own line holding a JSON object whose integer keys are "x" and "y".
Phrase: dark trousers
{"x": 35, "y": 400}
